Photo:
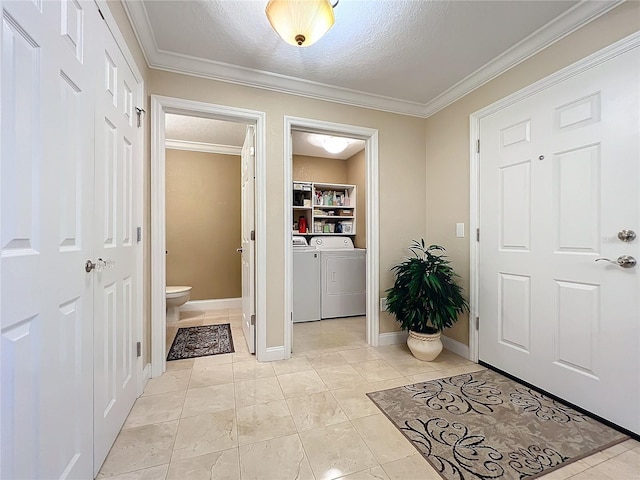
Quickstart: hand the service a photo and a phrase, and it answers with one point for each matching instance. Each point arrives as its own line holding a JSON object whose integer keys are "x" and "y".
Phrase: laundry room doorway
{"x": 331, "y": 222}
{"x": 195, "y": 145}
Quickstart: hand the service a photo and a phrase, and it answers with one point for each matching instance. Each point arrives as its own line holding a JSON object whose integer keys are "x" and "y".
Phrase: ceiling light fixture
{"x": 335, "y": 144}
{"x": 300, "y": 22}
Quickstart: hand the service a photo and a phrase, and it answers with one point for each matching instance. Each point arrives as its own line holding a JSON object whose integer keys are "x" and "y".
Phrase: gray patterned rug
{"x": 483, "y": 425}
{"x": 191, "y": 342}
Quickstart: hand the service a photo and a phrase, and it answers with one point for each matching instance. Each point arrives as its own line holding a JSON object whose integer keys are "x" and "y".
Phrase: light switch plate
{"x": 383, "y": 304}
{"x": 460, "y": 230}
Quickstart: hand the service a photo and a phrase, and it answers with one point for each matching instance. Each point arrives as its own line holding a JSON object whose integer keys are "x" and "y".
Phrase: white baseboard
{"x": 146, "y": 376}
{"x": 273, "y": 354}
{"x": 456, "y": 347}
{"x": 212, "y": 304}
{"x": 392, "y": 338}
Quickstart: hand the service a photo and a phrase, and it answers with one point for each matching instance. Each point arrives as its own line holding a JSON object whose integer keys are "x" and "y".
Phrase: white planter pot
{"x": 424, "y": 346}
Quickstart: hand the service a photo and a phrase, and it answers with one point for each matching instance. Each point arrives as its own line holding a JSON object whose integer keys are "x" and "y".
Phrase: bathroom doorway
{"x": 332, "y": 199}
{"x": 203, "y": 222}
{"x": 210, "y": 130}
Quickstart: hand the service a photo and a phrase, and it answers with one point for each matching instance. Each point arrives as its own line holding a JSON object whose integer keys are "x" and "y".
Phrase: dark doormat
{"x": 483, "y": 425}
{"x": 191, "y": 342}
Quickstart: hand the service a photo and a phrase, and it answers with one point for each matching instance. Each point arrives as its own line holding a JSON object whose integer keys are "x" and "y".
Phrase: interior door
{"x": 48, "y": 76}
{"x": 248, "y": 243}
{"x": 115, "y": 295}
{"x": 559, "y": 179}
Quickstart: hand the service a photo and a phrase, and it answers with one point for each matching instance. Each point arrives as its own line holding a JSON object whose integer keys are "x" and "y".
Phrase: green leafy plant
{"x": 425, "y": 297}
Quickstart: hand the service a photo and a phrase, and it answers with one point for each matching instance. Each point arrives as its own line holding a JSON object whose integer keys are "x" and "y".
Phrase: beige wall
{"x": 357, "y": 175}
{"x": 203, "y": 222}
{"x": 447, "y": 133}
{"x": 402, "y": 182}
{"x": 319, "y": 169}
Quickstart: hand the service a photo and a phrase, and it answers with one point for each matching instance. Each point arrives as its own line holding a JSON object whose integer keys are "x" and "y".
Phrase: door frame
{"x": 475, "y": 139}
{"x": 161, "y": 105}
{"x": 370, "y": 137}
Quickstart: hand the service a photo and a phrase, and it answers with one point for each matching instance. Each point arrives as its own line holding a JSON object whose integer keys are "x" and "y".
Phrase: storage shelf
{"x": 316, "y": 215}
{"x": 329, "y": 207}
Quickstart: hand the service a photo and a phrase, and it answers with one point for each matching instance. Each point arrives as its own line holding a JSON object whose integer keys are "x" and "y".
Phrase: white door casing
{"x": 115, "y": 289}
{"x": 248, "y": 243}
{"x": 370, "y": 137}
{"x": 558, "y": 178}
{"x": 159, "y": 107}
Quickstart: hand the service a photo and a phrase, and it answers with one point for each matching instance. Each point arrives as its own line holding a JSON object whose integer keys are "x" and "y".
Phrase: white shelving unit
{"x": 328, "y": 208}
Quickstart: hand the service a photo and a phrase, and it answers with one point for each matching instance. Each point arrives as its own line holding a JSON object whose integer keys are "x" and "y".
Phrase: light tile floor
{"x": 229, "y": 417}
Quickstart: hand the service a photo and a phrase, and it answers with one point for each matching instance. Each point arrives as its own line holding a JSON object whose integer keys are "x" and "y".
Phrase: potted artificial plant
{"x": 425, "y": 298}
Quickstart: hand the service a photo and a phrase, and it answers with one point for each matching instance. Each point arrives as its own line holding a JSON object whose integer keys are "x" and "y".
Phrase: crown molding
{"x": 202, "y": 147}
{"x": 574, "y": 18}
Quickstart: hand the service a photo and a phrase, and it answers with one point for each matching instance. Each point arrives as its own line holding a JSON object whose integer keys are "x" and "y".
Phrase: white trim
{"x": 273, "y": 354}
{"x": 455, "y": 346}
{"x": 202, "y": 147}
{"x": 159, "y": 106}
{"x": 576, "y": 17}
{"x": 392, "y": 338}
{"x": 213, "y": 304}
{"x": 370, "y": 136}
{"x": 144, "y": 378}
{"x": 567, "y": 23}
{"x": 618, "y": 48}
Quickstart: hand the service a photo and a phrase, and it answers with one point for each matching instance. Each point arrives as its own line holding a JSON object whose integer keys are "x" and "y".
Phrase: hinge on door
{"x": 477, "y": 234}
{"x": 253, "y": 319}
{"x": 100, "y": 12}
{"x": 478, "y": 146}
{"x": 253, "y": 234}
{"x": 252, "y": 151}
{"x": 139, "y": 349}
{"x": 477, "y": 323}
{"x": 139, "y": 112}
{"x": 138, "y": 234}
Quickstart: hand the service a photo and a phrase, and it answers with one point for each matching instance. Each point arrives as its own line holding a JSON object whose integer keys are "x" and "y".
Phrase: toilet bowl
{"x": 176, "y": 297}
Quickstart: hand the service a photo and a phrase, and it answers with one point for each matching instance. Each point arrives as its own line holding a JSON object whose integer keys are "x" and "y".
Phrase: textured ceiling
{"x": 230, "y": 134}
{"x": 395, "y": 54}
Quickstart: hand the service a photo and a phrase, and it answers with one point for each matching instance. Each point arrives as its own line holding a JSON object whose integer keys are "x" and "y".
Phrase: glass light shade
{"x": 300, "y": 22}
{"x": 335, "y": 144}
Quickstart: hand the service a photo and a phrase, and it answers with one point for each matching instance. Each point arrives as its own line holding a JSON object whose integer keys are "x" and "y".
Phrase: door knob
{"x": 99, "y": 265}
{"x": 627, "y": 235}
{"x": 624, "y": 261}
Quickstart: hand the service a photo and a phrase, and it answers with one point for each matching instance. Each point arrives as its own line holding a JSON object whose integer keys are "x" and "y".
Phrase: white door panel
{"x": 559, "y": 177}
{"x": 47, "y": 200}
{"x": 115, "y": 293}
{"x": 248, "y": 244}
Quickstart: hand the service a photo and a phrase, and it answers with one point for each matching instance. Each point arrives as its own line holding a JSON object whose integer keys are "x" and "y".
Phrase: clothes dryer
{"x": 343, "y": 277}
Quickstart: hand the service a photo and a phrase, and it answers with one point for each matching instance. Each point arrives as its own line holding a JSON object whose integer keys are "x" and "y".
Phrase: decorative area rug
{"x": 191, "y": 342}
{"x": 483, "y": 425}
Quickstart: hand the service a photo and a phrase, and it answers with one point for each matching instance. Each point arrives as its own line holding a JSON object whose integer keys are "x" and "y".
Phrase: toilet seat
{"x": 176, "y": 291}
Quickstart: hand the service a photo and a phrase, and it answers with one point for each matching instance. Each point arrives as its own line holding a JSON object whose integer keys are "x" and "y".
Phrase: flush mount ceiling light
{"x": 335, "y": 144}
{"x": 300, "y": 22}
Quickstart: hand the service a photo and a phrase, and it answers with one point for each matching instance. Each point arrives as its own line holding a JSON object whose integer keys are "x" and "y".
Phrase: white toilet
{"x": 176, "y": 297}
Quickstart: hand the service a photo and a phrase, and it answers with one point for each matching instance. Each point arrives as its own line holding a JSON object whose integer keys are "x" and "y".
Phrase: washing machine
{"x": 306, "y": 281}
{"x": 343, "y": 277}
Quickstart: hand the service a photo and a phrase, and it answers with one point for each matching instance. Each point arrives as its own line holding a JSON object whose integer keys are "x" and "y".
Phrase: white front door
{"x": 49, "y": 53}
{"x": 248, "y": 243}
{"x": 115, "y": 293}
{"x": 559, "y": 178}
